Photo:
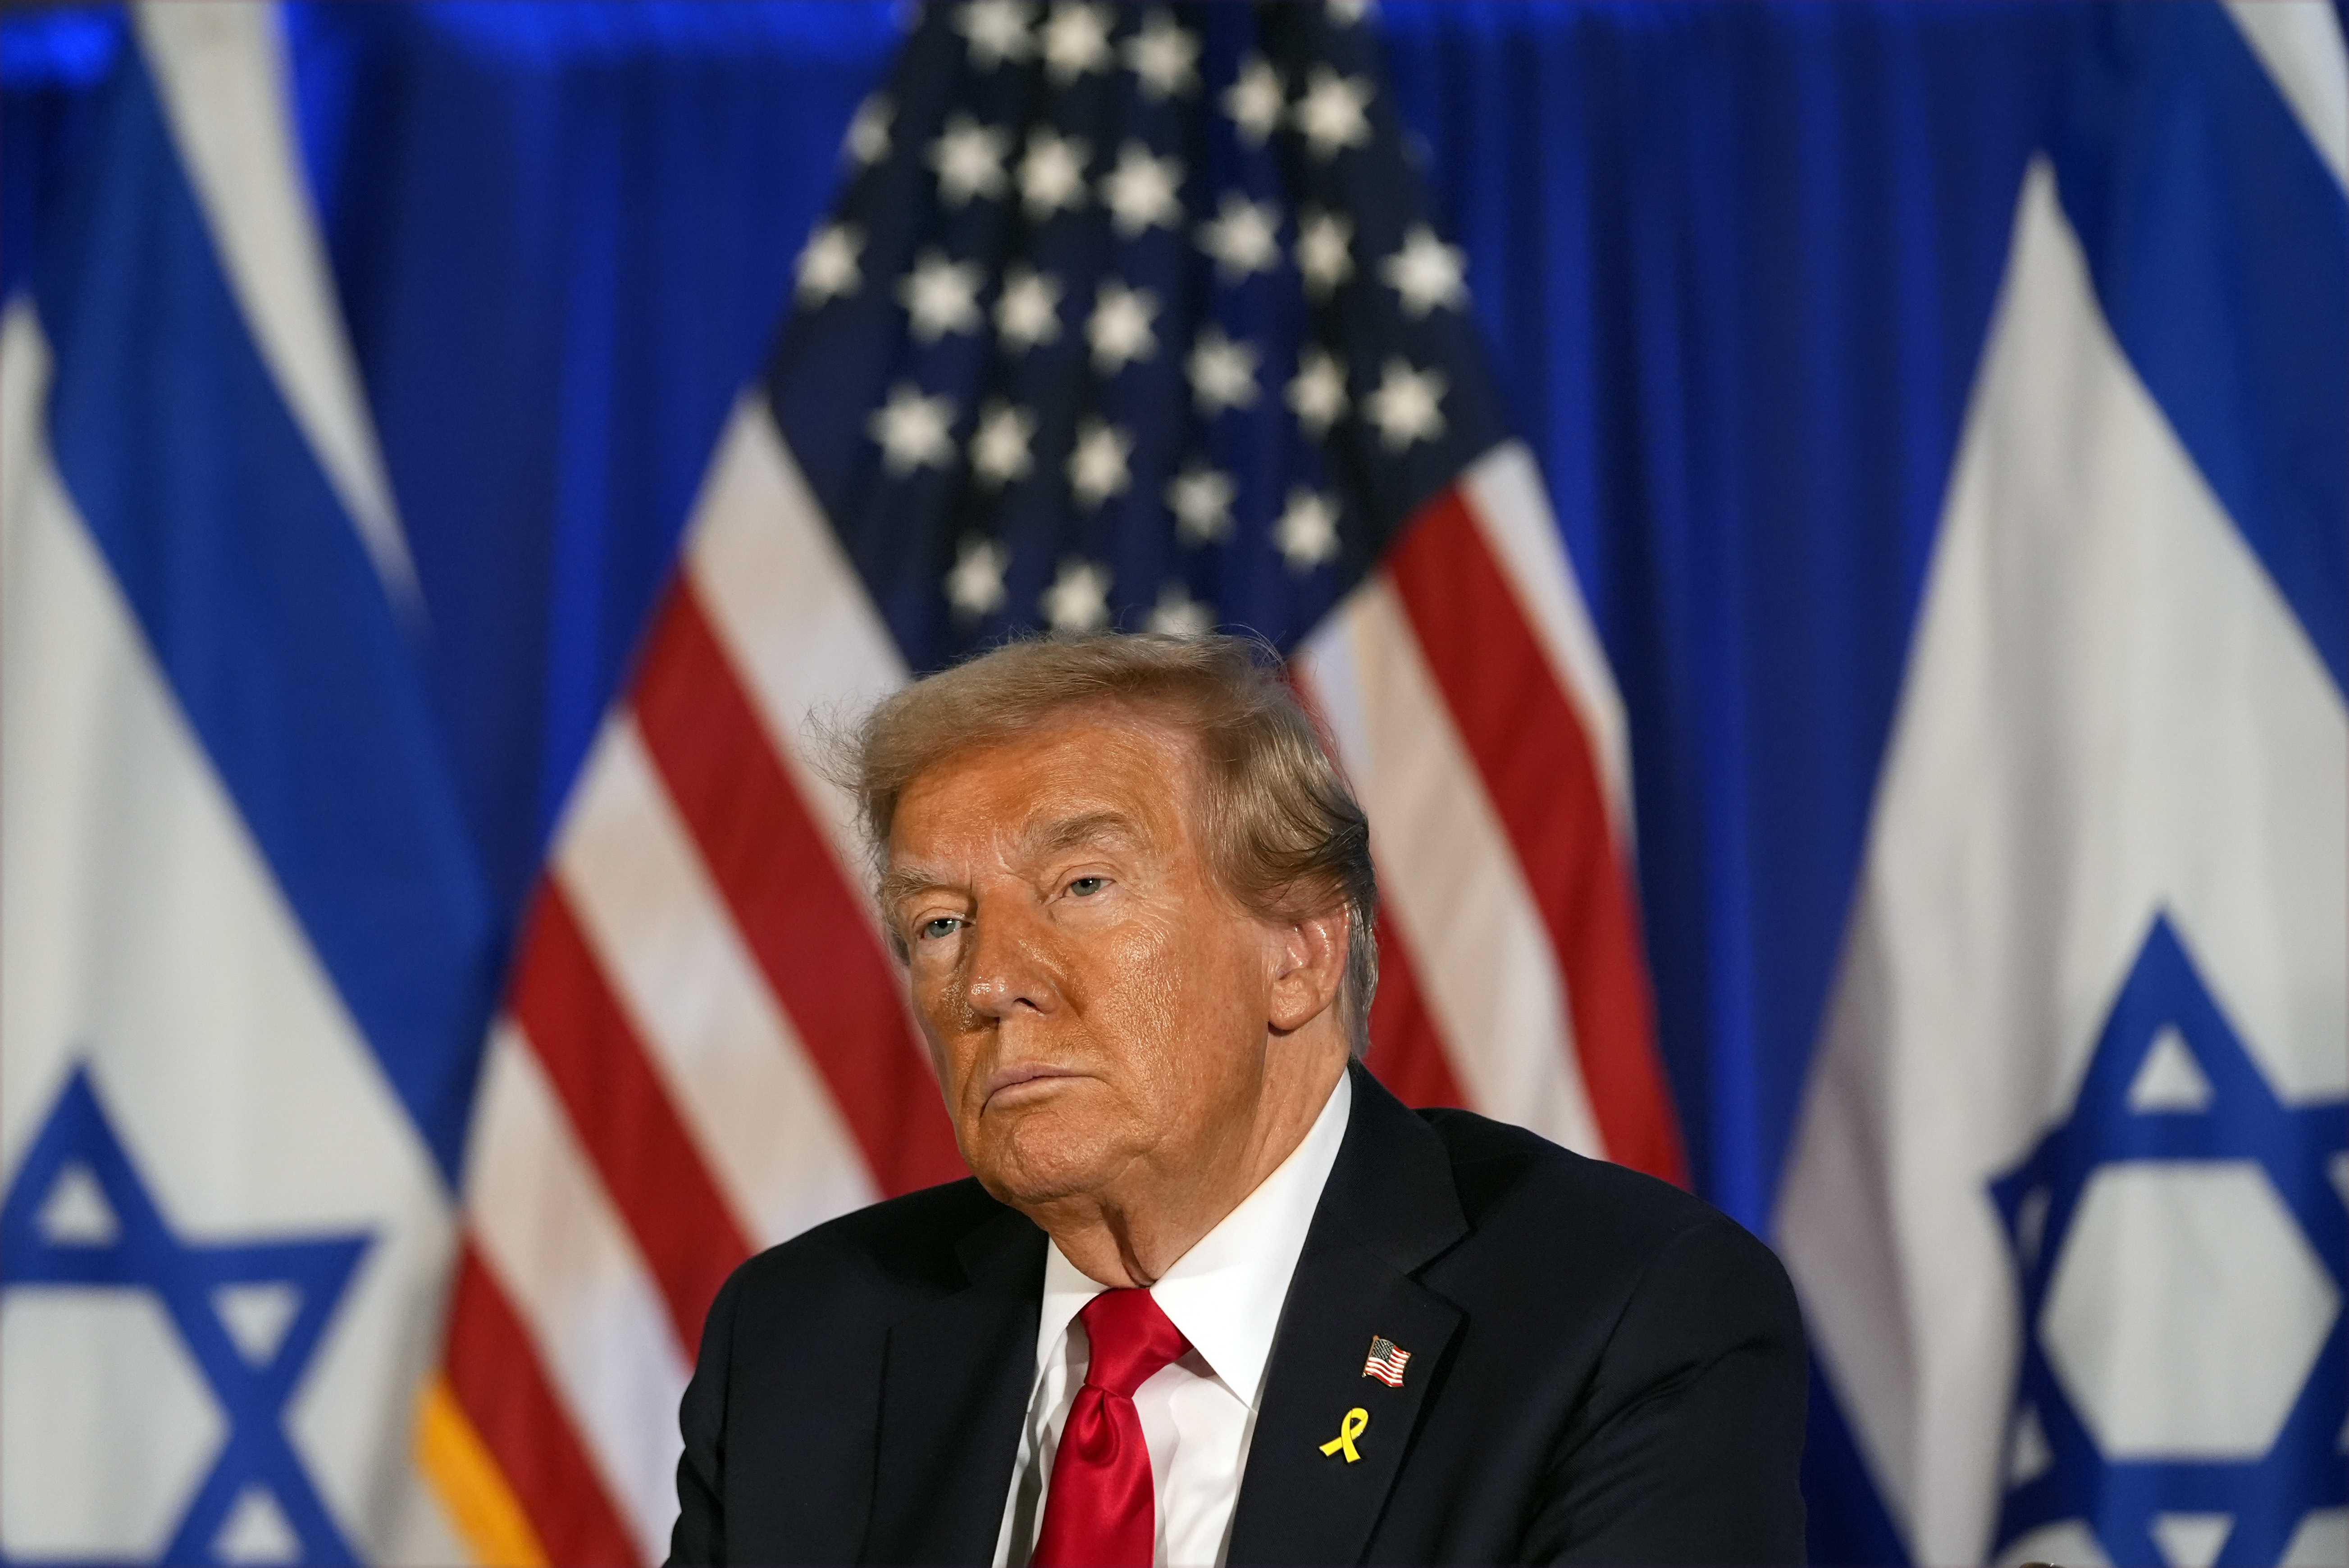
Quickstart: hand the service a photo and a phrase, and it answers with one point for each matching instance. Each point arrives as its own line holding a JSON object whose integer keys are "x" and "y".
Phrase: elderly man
{"x": 1215, "y": 1296}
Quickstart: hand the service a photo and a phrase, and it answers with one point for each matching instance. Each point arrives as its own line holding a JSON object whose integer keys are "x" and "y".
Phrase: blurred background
{"x": 1820, "y": 531}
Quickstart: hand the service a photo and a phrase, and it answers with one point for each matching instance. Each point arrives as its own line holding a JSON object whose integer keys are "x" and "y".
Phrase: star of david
{"x": 2231, "y": 1115}
{"x": 132, "y": 1246}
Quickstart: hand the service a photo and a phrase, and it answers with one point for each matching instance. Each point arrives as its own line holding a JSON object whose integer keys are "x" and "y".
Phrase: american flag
{"x": 1386, "y": 1362}
{"x": 1130, "y": 318}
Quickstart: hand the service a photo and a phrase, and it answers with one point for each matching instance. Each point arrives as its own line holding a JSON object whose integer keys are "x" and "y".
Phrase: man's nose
{"x": 1012, "y": 971}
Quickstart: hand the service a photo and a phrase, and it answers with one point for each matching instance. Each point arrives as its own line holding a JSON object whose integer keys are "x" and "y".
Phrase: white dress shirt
{"x": 1198, "y": 1413}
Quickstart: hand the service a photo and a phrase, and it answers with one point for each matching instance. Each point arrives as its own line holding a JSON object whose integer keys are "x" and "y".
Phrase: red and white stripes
{"x": 705, "y": 1048}
{"x": 1464, "y": 690}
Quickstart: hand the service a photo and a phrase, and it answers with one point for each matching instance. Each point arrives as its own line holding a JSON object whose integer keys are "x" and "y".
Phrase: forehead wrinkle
{"x": 905, "y": 881}
{"x": 1088, "y": 829}
{"x": 1105, "y": 828}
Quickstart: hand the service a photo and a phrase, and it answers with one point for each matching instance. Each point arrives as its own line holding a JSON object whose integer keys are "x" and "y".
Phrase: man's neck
{"x": 1131, "y": 1232}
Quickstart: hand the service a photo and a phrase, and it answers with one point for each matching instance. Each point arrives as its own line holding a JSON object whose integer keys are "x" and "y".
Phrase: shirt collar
{"x": 1226, "y": 1293}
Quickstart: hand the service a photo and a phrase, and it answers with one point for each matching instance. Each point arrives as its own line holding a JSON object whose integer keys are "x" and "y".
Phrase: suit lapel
{"x": 954, "y": 1389}
{"x": 1389, "y": 1209}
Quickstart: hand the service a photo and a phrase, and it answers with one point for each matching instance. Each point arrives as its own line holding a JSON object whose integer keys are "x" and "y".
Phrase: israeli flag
{"x": 2068, "y": 1207}
{"x": 245, "y": 946}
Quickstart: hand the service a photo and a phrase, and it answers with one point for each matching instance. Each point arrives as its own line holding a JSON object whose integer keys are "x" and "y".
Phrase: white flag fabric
{"x": 2066, "y": 1207}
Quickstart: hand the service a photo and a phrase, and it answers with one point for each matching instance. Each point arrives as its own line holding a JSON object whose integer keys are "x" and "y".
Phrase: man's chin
{"x": 1038, "y": 1159}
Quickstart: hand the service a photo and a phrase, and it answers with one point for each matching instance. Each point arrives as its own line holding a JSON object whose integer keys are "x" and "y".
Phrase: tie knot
{"x": 1131, "y": 1339}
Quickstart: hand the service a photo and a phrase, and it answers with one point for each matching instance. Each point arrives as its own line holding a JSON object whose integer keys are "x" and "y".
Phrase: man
{"x": 1215, "y": 1295}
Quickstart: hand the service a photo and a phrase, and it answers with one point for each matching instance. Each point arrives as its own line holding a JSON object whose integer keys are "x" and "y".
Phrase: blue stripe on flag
{"x": 262, "y": 608}
{"x": 2219, "y": 245}
{"x": 50, "y": 63}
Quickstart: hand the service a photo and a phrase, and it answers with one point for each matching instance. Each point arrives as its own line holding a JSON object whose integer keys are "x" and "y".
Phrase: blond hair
{"x": 1283, "y": 835}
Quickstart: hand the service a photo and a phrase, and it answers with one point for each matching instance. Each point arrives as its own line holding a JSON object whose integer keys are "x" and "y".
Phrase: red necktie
{"x": 1101, "y": 1510}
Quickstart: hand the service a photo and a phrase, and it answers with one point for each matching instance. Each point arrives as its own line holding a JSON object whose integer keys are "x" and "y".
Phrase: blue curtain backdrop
{"x": 1733, "y": 263}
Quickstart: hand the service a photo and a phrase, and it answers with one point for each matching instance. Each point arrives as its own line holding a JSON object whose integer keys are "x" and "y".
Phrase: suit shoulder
{"x": 1511, "y": 1181}
{"x": 904, "y": 1244}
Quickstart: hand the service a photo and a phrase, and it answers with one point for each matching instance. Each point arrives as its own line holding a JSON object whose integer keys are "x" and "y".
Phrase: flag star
{"x": 1201, "y": 497}
{"x": 1318, "y": 395}
{"x": 868, "y": 132}
{"x": 968, "y": 158}
{"x": 975, "y": 586}
{"x": 1333, "y": 114}
{"x": 101, "y": 1226}
{"x": 1077, "y": 599}
{"x": 1028, "y": 313}
{"x": 1407, "y": 407}
{"x": 1255, "y": 100}
{"x": 1076, "y": 40}
{"x": 1307, "y": 533}
{"x": 999, "y": 447}
{"x": 1325, "y": 251}
{"x": 1097, "y": 466}
{"x": 941, "y": 296}
{"x": 1142, "y": 190}
{"x": 1163, "y": 57}
{"x": 1119, "y": 329}
{"x": 1179, "y": 615}
{"x": 914, "y": 431}
{"x": 1222, "y": 372}
{"x": 1426, "y": 273}
{"x": 997, "y": 31}
{"x": 1243, "y": 237}
{"x": 827, "y": 264}
{"x": 1052, "y": 174}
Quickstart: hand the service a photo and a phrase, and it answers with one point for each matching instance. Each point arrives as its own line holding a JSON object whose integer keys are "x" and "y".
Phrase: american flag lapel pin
{"x": 1386, "y": 1362}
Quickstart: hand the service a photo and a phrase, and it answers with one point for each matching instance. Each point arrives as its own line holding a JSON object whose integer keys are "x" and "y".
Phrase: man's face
{"x": 1097, "y": 1007}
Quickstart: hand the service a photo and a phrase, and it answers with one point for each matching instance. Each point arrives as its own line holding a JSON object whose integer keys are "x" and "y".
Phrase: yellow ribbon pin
{"x": 1349, "y": 1429}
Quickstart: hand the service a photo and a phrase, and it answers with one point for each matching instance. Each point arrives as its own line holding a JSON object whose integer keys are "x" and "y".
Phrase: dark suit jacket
{"x": 1603, "y": 1369}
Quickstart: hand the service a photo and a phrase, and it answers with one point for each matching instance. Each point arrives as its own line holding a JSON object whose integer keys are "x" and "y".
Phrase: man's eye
{"x": 1085, "y": 887}
{"x": 945, "y": 925}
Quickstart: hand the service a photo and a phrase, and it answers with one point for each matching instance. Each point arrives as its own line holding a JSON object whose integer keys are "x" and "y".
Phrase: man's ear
{"x": 1312, "y": 967}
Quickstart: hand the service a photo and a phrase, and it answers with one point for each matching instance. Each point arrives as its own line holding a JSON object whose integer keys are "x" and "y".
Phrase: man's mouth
{"x": 1023, "y": 1080}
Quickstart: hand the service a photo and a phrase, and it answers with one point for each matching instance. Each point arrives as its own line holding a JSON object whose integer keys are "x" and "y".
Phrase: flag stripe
{"x": 1530, "y": 749}
{"x": 493, "y": 1370}
{"x": 737, "y": 1073}
{"x": 1506, "y": 497}
{"x": 622, "y": 1115}
{"x": 799, "y": 918}
{"x": 221, "y": 73}
{"x": 789, "y": 608}
{"x": 1456, "y": 893}
{"x": 289, "y": 665}
{"x": 2301, "y": 48}
{"x": 1406, "y": 1047}
{"x": 1406, "y": 1043}
{"x": 547, "y": 1230}
{"x": 2227, "y": 271}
